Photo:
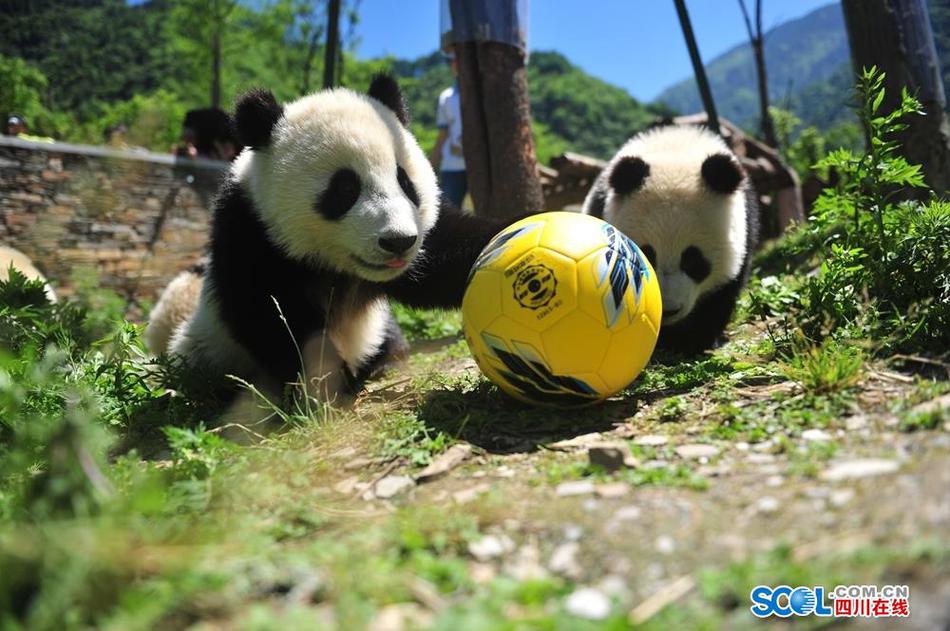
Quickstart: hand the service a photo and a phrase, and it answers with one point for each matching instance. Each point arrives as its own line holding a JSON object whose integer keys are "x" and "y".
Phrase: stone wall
{"x": 136, "y": 217}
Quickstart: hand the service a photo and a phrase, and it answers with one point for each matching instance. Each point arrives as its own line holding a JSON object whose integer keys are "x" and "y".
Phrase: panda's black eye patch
{"x": 650, "y": 253}
{"x": 340, "y": 195}
{"x": 721, "y": 173}
{"x": 628, "y": 175}
{"x": 694, "y": 264}
{"x": 407, "y": 186}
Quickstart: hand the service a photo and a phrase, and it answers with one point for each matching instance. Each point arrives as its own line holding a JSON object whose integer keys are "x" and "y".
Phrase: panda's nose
{"x": 396, "y": 243}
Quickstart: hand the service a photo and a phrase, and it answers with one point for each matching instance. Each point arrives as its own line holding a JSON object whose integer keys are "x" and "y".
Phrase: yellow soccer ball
{"x": 561, "y": 309}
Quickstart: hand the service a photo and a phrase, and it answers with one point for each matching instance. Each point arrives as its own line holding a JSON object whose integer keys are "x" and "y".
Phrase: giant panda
{"x": 683, "y": 197}
{"x": 11, "y": 257}
{"x": 330, "y": 210}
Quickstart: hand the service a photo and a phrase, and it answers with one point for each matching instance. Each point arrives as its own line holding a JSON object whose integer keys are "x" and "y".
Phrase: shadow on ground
{"x": 487, "y": 418}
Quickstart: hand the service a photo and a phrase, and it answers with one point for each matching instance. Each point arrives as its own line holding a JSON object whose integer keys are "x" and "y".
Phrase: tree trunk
{"x": 712, "y": 118}
{"x": 895, "y": 36}
{"x": 500, "y": 161}
{"x": 333, "y": 44}
{"x": 757, "y": 39}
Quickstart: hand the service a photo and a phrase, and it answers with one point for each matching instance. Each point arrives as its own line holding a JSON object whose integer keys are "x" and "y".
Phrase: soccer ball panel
{"x": 510, "y": 244}
{"x": 575, "y": 236}
{"x": 628, "y": 354}
{"x": 576, "y": 344}
{"x": 482, "y": 301}
{"x": 539, "y": 288}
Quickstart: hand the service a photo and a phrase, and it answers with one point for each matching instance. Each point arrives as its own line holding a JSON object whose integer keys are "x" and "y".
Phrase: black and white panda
{"x": 682, "y": 196}
{"x": 331, "y": 209}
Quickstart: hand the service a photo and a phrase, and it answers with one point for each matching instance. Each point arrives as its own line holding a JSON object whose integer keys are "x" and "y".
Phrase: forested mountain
{"x": 809, "y": 70}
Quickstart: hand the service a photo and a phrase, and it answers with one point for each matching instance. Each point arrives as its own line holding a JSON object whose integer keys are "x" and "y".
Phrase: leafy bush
{"x": 884, "y": 269}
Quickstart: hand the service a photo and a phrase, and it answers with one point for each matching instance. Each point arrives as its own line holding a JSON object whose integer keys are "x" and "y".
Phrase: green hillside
{"x": 809, "y": 71}
{"x": 75, "y": 67}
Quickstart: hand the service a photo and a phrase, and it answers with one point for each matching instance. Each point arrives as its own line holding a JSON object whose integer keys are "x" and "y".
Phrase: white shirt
{"x": 449, "y": 118}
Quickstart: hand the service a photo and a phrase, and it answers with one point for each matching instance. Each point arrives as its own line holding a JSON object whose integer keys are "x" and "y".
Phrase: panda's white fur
{"x": 176, "y": 304}
{"x": 274, "y": 245}
{"x": 316, "y": 136}
{"x": 22, "y": 263}
{"x": 673, "y": 208}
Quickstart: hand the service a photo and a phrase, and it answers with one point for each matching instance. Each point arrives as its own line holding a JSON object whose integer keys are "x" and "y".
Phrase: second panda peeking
{"x": 331, "y": 209}
{"x": 682, "y": 196}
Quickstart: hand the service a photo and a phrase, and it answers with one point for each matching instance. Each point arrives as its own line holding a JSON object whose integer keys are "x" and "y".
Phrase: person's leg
{"x": 454, "y": 186}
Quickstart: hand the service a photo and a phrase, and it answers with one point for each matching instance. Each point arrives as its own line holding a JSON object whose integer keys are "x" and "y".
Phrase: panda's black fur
{"x": 684, "y": 198}
{"x": 249, "y": 274}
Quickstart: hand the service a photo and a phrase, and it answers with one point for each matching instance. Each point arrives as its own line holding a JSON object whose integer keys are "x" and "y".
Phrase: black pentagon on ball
{"x": 722, "y": 173}
{"x": 255, "y": 115}
{"x": 628, "y": 175}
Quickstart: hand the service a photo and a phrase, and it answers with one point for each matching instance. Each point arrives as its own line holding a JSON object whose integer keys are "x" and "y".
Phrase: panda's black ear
{"x": 628, "y": 175}
{"x": 255, "y": 115}
{"x": 722, "y": 173}
{"x": 385, "y": 90}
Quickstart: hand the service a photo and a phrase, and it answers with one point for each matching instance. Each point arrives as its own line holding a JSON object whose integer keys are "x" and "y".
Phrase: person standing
{"x": 447, "y": 156}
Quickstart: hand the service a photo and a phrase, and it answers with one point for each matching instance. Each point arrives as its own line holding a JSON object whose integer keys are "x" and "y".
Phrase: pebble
{"x": 399, "y": 616}
{"x": 575, "y": 487}
{"x": 525, "y": 565}
{"x": 614, "y": 585}
{"x": 490, "y": 547}
{"x": 347, "y": 486}
{"x": 651, "y": 440}
{"x": 584, "y": 440}
{"x": 816, "y": 435}
{"x": 760, "y": 458}
{"x": 774, "y": 480}
{"x": 767, "y": 504}
{"x": 482, "y": 573}
{"x": 665, "y": 544}
{"x": 590, "y": 505}
{"x": 588, "y": 603}
{"x": 611, "y": 456}
{"x": 853, "y": 423}
{"x": 445, "y": 462}
{"x": 841, "y": 497}
{"x": 742, "y": 446}
{"x": 612, "y": 490}
{"x": 393, "y": 485}
{"x": 564, "y": 560}
{"x": 861, "y": 468}
{"x": 573, "y": 532}
{"x": 627, "y": 513}
{"x": 470, "y": 494}
{"x": 696, "y": 451}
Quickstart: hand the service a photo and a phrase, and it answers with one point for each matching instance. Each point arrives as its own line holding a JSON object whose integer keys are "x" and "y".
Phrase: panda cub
{"x": 682, "y": 196}
{"x": 331, "y": 210}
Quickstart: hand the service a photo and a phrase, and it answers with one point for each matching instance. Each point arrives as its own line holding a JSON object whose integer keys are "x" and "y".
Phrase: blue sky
{"x": 636, "y": 44}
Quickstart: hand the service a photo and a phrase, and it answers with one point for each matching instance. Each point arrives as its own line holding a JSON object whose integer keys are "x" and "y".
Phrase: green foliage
{"x": 427, "y": 324}
{"x": 883, "y": 271}
{"x": 802, "y": 147}
{"x": 827, "y": 367}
